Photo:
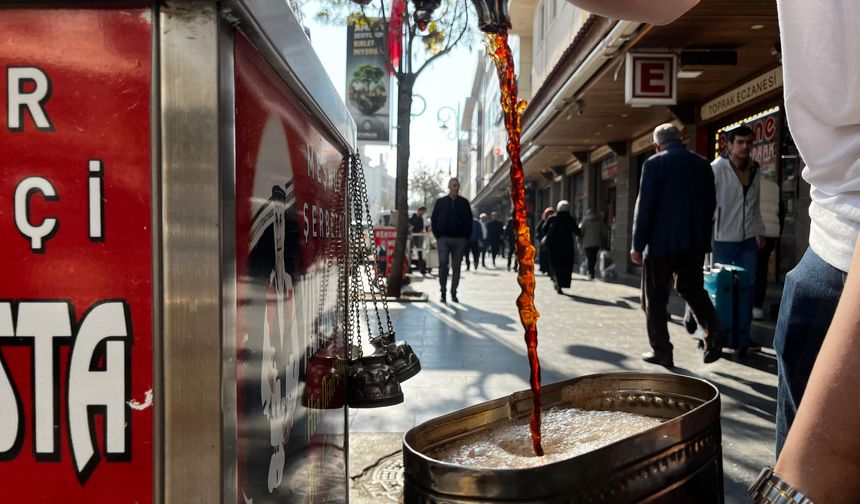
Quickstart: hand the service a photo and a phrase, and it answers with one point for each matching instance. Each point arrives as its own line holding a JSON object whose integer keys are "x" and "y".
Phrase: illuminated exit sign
{"x": 651, "y": 79}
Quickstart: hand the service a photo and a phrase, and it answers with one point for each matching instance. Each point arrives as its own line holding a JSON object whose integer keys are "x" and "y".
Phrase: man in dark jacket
{"x": 672, "y": 229}
{"x": 451, "y": 223}
{"x": 495, "y": 229}
{"x": 416, "y": 222}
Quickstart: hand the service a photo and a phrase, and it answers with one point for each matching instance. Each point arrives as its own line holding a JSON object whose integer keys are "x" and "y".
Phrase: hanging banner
{"x": 290, "y": 253}
{"x": 368, "y": 85}
{"x": 76, "y": 391}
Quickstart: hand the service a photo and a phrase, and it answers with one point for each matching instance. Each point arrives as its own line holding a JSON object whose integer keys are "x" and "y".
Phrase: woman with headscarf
{"x": 560, "y": 239}
{"x": 540, "y": 233}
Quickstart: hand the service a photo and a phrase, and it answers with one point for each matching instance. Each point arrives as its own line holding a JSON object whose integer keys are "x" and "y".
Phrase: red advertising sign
{"x": 384, "y": 239}
{"x": 291, "y": 251}
{"x": 76, "y": 257}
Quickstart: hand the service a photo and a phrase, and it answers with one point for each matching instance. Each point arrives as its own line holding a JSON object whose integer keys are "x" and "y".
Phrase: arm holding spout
{"x": 647, "y": 11}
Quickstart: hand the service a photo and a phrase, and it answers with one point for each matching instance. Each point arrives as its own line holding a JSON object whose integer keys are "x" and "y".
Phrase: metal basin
{"x": 677, "y": 461}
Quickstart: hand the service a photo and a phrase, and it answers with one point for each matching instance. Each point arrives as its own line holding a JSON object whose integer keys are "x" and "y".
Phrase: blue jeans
{"x": 812, "y": 290}
{"x": 743, "y": 254}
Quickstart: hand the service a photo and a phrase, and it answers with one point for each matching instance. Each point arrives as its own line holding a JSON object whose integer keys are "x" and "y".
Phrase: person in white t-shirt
{"x": 820, "y": 456}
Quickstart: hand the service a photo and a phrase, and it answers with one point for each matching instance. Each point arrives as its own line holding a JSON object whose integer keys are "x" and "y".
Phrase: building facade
{"x": 582, "y": 140}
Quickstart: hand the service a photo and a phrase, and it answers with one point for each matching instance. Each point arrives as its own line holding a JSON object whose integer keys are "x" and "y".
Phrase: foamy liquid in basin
{"x": 566, "y": 433}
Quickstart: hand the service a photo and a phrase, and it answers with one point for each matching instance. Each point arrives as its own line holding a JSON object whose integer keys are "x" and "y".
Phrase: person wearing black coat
{"x": 451, "y": 223}
{"x": 672, "y": 227}
{"x": 511, "y": 240}
{"x": 540, "y": 232}
{"x": 561, "y": 233}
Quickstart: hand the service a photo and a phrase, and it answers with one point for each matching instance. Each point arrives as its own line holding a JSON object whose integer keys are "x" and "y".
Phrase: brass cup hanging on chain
{"x": 492, "y": 15}
{"x": 371, "y": 382}
{"x": 398, "y": 354}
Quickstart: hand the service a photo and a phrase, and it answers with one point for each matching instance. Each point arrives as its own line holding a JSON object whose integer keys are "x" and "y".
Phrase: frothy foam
{"x": 566, "y": 433}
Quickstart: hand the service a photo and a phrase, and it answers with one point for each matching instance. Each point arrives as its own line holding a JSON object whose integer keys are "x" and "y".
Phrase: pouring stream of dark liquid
{"x": 500, "y": 51}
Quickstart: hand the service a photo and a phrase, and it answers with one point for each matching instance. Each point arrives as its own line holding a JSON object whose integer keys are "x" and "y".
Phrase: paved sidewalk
{"x": 473, "y": 351}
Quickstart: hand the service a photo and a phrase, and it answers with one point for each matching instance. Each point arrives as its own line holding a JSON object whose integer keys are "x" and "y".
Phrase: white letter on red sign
{"x": 36, "y": 234}
{"x": 33, "y": 100}
{"x": 96, "y": 207}
{"x": 11, "y": 426}
{"x": 44, "y": 321}
{"x": 106, "y": 387}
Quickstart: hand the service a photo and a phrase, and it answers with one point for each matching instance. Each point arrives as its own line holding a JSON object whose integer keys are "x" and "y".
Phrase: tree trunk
{"x": 401, "y": 183}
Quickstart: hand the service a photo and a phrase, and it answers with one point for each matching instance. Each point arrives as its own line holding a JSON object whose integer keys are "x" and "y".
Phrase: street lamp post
{"x": 445, "y": 115}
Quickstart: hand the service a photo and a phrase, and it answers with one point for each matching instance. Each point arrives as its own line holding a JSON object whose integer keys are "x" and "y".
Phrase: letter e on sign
{"x": 650, "y": 79}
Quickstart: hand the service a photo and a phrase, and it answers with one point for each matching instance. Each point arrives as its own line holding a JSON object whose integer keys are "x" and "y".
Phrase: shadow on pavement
{"x": 598, "y": 354}
{"x": 598, "y": 302}
{"x": 757, "y": 360}
{"x": 478, "y": 316}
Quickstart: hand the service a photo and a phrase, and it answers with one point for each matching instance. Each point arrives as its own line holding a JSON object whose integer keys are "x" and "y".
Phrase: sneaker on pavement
{"x": 454, "y": 297}
{"x": 661, "y": 360}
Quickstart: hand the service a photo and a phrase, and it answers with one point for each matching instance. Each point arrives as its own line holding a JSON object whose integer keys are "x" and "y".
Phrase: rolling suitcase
{"x": 729, "y": 289}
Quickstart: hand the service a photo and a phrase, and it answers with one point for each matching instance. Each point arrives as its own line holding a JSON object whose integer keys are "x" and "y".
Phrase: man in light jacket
{"x": 738, "y": 226}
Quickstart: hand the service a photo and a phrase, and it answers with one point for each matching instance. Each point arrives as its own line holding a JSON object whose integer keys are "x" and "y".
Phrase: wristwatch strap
{"x": 770, "y": 489}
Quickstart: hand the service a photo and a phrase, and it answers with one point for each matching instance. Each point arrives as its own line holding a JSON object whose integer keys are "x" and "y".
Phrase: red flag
{"x": 395, "y": 32}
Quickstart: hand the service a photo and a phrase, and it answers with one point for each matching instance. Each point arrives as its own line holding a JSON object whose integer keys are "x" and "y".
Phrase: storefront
{"x": 605, "y": 166}
{"x": 576, "y": 192}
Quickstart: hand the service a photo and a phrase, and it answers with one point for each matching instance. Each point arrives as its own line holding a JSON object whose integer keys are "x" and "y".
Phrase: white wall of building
{"x": 555, "y": 25}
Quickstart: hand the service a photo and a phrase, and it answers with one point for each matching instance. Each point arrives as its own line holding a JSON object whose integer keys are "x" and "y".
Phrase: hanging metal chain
{"x": 360, "y": 193}
{"x": 375, "y": 281}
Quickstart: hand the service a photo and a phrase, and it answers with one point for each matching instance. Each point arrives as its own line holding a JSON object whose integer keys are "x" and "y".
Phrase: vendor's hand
{"x": 636, "y": 257}
{"x": 759, "y": 241}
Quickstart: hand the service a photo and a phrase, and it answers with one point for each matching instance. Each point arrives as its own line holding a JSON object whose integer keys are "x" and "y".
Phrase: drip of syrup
{"x": 500, "y": 51}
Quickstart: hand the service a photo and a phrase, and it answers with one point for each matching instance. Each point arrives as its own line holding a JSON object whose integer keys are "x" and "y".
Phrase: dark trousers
{"x": 451, "y": 252}
{"x": 512, "y": 256}
{"x": 686, "y": 271}
{"x": 495, "y": 249}
{"x": 761, "y": 270}
{"x": 474, "y": 250}
{"x": 812, "y": 290}
{"x": 591, "y": 259}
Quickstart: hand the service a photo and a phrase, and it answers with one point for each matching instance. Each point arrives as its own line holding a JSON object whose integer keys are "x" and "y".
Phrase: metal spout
{"x": 492, "y": 15}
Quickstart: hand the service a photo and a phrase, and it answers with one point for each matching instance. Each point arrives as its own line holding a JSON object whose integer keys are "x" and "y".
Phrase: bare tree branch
{"x": 450, "y": 45}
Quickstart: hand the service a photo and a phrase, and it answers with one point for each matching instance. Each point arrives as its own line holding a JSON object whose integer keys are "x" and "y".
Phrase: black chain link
{"x": 375, "y": 281}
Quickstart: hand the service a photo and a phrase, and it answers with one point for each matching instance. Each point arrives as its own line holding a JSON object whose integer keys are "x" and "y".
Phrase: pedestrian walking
{"x": 560, "y": 241}
{"x": 540, "y": 233}
{"x": 814, "y": 461}
{"x": 451, "y": 223}
{"x": 593, "y": 237}
{"x": 738, "y": 226}
{"x": 671, "y": 235}
{"x": 482, "y": 219}
{"x": 511, "y": 241}
{"x": 772, "y": 216}
{"x": 476, "y": 242}
{"x": 416, "y": 222}
{"x": 495, "y": 230}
